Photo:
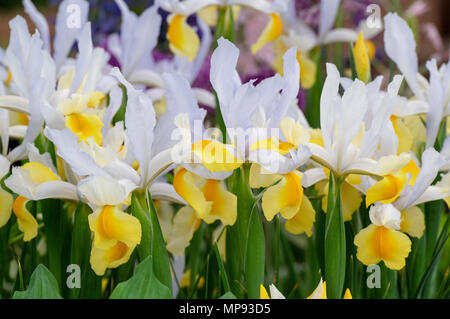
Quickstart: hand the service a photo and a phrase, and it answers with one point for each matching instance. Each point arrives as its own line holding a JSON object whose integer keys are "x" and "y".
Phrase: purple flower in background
{"x": 357, "y": 9}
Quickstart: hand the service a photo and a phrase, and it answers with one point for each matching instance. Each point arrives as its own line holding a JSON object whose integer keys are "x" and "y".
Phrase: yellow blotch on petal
{"x": 412, "y": 169}
{"x": 224, "y": 205}
{"x": 387, "y": 190}
{"x": 95, "y": 99}
{"x": 284, "y": 198}
{"x": 303, "y": 220}
{"x": 263, "y": 293}
{"x": 413, "y": 221}
{"x": 316, "y": 137}
{"x": 187, "y": 185}
{"x": 26, "y": 221}
{"x": 215, "y": 156}
{"x": 113, "y": 257}
{"x": 376, "y": 243}
{"x": 111, "y": 225}
{"x": 39, "y": 173}
{"x": 272, "y": 31}
{"x": 8, "y": 78}
{"x": 209, "y": 198}
{"x": 362, "y": 61}
{"x": 183, "y": 40}
{"x": 85, "y": 126}
{"x": 6, "y": 204}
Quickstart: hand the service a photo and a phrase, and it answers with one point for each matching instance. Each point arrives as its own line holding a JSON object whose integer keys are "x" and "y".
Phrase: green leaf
{"x": 223, "y": 273}
{"x": 91, "y": 284}
{"x": 335, "y": 250}
{"x": 143, "y": 285}
{"x": 152, "y": 241}
{"x": 228, "y": 295}
{"x": 43, "y": 285}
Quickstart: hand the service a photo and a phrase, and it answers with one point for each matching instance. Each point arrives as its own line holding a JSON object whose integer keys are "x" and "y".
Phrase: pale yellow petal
{"x": 413, "y": 222}
{"x": 387, "y": 190}
{"x": 351, "y": 200}
{"x": 6, "y": 204}
{"x": 224, "y": 203}
{"x": 303, "y": 220}
{"x": 260, "y": 177}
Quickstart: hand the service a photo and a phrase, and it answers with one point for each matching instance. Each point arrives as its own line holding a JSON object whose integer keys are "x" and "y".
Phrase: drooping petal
{"x": 185, "y": 224}
{"x": 224, "y": 205}
{"x": 376, "y": 243}
{"x": 112, "y": 257}
{"x": 26, "y": 221}
{"x": 85, "y": 126}
{"x": 188, "y": 187}
{"x": 303, "y": 220}
{"x": 110, "y": 226}
{"x": 284, "y": 197}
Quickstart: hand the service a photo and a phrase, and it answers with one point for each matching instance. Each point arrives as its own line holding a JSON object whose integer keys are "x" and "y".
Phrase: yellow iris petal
{"x": 350, "y": 196}
{"x": 376, "y": 243}
{"x": 209, "y": 15}
{"x": 263, "y": 293}
{"x": 308, "y": 70}
{"x": 8, "y": 78}
{"x": 6, "y": 204}
{"x": 316, "y": 137}
{"x": 413, "y": 222}
{"x": 183, "y": 40}
{"x": 85, "y": 126}
{"x": 348, "y": 294}
{"x": 26, "y": 221}
{"x": 111, "y": 225}
{"x": 39, "y": 173}
{"x": 215, "y": 157}
{"x": 95, "y": 99}
{"x": 272, "y": 31}
{"x": 387, "y": 190}
{"x": 362, "y": 61}
{"x": 284, "y": 198}
{"x": 260, "y": 177}
{"x": 405, "y": 138}
{"x": 187, "y": 186}
{"x": 351, "y": 200}
{"x": 412, "y": 169}
{"x": 185, "y": 224}
{"x": 113, "y": 257}
{"x": 303, "y": 220}
{"x": 224, "y": 205}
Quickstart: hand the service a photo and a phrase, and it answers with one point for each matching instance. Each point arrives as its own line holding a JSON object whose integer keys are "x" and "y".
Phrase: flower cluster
{"x": 110, "y": 165}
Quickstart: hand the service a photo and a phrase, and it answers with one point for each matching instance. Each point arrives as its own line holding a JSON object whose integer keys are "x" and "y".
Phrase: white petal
{"x": 166, "y": 191}
{"x": 102, "y": 190}
{"x": 400, "y": 46}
